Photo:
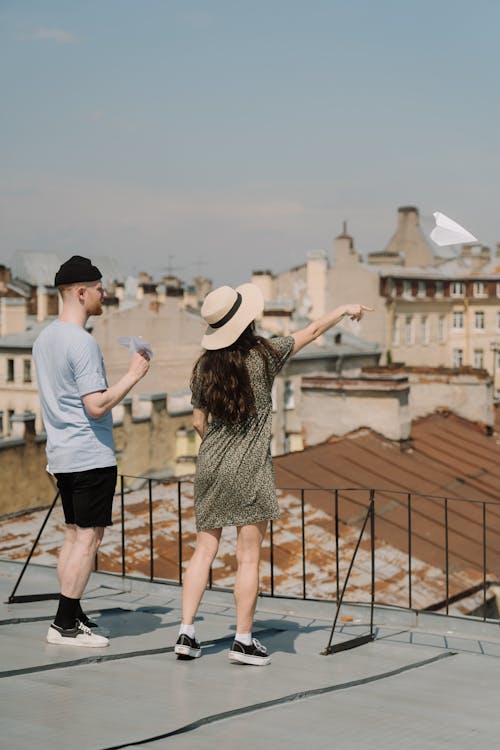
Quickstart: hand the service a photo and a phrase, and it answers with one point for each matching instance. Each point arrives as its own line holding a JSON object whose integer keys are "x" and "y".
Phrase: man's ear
{"x": 81, "y": 292}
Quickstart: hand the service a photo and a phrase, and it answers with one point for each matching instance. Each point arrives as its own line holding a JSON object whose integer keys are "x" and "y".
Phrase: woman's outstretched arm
{"x": 317, "y": 327}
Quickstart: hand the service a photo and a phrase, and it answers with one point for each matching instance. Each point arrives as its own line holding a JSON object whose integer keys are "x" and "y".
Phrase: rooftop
{"x": 425, "y": 681}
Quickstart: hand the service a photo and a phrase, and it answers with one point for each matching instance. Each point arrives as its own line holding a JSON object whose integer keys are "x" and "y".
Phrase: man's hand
{"x": 139, "y": 365}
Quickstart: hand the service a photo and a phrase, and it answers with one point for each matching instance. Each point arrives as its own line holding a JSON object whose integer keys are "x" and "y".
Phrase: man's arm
{"x": 101, "y": 402}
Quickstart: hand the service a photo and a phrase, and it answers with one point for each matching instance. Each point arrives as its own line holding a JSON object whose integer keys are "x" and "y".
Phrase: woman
{"x": 234, "y": 484}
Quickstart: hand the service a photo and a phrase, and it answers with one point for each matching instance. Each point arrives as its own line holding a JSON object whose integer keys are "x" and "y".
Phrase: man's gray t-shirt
{"x": 69, "y": 365}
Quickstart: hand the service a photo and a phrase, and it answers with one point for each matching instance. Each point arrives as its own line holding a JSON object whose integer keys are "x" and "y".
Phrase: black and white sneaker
{"x": 80, "y": 635}
{"x": 85, "y": 620}
{"x": 255, "y": 653}
{"x": 187, "y": 648}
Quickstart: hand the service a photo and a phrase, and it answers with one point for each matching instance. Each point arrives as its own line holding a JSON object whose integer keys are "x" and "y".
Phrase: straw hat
{"x": 228, "y": 312}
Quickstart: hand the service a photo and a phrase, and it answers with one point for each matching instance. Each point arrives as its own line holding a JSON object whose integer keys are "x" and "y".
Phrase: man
{"x": 76, "y": 406}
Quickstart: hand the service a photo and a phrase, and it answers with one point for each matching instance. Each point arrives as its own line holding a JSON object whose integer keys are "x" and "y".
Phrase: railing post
{"x": 21, "y": 574}
{"x": 329, "y": 649}
{"x": 372, "y": 538}
{"x": 179, "y": 528}
{"x": 484, "y": 562}
{"x": 271, "y": 555}
{"x": 151, "y": 551}
{"x": 446, "y": 554}
{"x": 337, "y": 553}
{"x": 302, "y": 512}
{"x": 122, "y": 511}
{"x": 409, "y": 552}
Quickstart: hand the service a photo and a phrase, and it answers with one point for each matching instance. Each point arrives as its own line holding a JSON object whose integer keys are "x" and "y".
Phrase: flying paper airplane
{"x": 448, "y": 232}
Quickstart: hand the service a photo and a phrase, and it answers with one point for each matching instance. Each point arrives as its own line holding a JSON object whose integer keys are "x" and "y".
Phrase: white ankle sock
{"x": 186, "y": 630}
{"x": 245, "y": 638}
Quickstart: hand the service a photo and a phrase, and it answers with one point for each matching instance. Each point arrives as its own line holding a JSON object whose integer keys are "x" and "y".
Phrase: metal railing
{"x": 448, "y": 529}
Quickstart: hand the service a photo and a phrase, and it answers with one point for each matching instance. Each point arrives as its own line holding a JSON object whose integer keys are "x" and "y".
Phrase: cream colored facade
{"x": 18, "y": 388}
{"x": 428, "y": 310}
{"x": 444, "y": 322}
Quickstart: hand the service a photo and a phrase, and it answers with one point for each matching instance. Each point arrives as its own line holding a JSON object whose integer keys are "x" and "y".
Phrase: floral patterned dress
{"x": 234, "y": 483}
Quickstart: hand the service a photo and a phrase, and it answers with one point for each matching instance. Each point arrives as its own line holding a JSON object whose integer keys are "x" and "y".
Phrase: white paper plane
{"x": 448, "y": 232}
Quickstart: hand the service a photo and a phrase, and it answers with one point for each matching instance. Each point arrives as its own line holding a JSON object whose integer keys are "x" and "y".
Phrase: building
{"x": 429, "y": 309}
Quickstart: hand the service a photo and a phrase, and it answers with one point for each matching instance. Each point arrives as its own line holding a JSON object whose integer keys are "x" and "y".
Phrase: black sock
{"x": 66, "y": 612}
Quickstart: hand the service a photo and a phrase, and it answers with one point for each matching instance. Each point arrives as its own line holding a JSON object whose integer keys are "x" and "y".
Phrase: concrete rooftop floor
{"x": 427, "y": 681}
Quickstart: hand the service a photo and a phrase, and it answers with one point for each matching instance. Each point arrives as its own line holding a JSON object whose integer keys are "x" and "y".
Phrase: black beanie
{"x": 77, "y": 269}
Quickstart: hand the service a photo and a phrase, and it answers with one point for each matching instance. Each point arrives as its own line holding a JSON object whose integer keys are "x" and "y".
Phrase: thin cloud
{"x": 60, "y": 36}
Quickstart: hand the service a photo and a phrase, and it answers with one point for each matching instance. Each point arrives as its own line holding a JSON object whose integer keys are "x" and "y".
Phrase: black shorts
{"x": 87, "y": 496}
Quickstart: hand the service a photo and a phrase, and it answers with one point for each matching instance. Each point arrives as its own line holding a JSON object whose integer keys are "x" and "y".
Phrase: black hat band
{"x": 232, "y": 312}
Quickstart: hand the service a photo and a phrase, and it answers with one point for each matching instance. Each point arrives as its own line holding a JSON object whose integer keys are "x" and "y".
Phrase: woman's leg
{"x": 246, "y": 585}
{"x": 196, "y": 578}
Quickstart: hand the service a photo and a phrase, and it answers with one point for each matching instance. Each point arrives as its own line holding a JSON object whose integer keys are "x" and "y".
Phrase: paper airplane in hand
{"x": 136, "y": 344}
{"x": 448, "y": 232}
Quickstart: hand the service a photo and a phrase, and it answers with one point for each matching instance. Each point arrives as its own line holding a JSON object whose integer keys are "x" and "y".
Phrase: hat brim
{"x": 252, "y": 304}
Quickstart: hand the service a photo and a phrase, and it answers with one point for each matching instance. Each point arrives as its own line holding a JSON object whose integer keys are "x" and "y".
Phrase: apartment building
{"x": 430, "y": 309}
{"x": 446, "y": 318}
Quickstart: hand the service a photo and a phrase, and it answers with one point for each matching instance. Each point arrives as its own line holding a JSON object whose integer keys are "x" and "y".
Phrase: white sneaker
{"x": 80, "y": 635}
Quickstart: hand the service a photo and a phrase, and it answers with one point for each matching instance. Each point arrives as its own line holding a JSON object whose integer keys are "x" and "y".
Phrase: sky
{"x": 225, "y": 136}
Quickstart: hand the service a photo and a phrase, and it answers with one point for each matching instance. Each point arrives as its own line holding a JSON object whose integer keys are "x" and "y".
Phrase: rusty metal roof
{"x": 446, "y": 457}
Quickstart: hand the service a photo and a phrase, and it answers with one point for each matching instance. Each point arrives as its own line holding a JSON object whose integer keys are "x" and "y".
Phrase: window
{"x": 458, "y": 289}
{"x": 458, "y": 357}
{"x": 395, "y": 331}
{"x": 424, "y": 329}
{"x": 1, "y": 423}
{"x": 27, "y": 371}
{"x": 479, "y": 359}
{"x": 498, "y": 289}
{"x": 409, "y": 329}
{"x": 421, "y": 289}
{"x": 441, "y": 328}
{"x": 439, "y": 288}
{"x": 273, "y": 396}
{"x": 498, "y": 359}
{"x": 289, "y": 395}
{"x": 458, "y": 320}
{"x": 407, "y": 289}
{"x": 479, "y": 321}
{"x": 10, "y": 371}
{"x": 10, "y": 414}
{"x": 479, "y": 289}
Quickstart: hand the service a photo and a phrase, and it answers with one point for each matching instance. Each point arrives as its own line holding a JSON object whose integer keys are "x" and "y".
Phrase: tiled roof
{"x": 446, "y": 457}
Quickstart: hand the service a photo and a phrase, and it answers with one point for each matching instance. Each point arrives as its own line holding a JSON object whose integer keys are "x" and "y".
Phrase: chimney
{"x": 203, "y": 286}
{"x": 265, "y": 281}
{"x": 343, "y": 248}
{"x": 42, "y": 303}
{"x": 4, "y": 278}
{"x": 12, "y": 315}
{"x": 408, "y": 215}
{"x": 317, "y": 267}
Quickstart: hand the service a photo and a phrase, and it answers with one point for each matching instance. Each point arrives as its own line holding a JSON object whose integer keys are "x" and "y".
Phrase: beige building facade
{"x": 429, "y": 309}
{"x": 444, "y": 320}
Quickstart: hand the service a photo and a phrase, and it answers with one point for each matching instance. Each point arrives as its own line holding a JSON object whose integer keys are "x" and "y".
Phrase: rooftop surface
{"x": 426, "y": 681}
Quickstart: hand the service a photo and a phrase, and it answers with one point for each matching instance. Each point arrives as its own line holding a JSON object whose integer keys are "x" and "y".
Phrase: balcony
{"x": 412, "y": 675}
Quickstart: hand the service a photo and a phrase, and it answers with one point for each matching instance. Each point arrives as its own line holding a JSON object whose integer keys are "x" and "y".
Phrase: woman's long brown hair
{"x": 223, "y": 377}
